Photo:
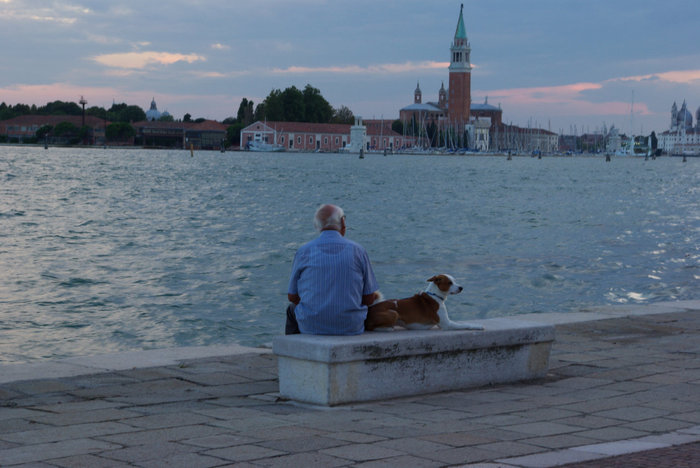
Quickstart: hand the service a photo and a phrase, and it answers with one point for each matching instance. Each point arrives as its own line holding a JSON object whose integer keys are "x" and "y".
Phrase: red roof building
{"x": 24, "y": 127}
{"x": 306, "y": 137}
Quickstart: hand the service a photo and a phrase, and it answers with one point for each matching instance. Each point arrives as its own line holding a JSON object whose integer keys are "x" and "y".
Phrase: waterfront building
{"x": 523, "y": 140}
{"x": 202, "y": 135}
{"x": 23, "y": 128}
{"x": 681, "y": 137}
{"x": 324, "y": 137}
{"x": 207, "y": 134}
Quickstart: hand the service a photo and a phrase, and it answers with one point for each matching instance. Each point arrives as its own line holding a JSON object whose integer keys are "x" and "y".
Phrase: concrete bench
{"x": 333, "y": 370}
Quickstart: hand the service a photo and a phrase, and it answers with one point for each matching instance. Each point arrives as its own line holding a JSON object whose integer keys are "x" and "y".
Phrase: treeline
{"x": 117, "y": 113}
{"x": 290, "y": 105}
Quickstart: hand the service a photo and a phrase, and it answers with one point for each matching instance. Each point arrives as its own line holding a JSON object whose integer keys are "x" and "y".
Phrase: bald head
{"x": 330, "y": 217}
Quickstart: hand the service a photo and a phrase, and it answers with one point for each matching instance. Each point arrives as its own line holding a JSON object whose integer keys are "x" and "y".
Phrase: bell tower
{"x": 459, "y": 100}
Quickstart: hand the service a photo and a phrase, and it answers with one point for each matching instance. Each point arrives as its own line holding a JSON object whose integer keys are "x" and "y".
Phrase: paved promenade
{"x": 623, "y": 390}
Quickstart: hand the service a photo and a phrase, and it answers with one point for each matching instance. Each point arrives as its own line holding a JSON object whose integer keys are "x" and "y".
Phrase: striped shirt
{"x": 331, "y": 274}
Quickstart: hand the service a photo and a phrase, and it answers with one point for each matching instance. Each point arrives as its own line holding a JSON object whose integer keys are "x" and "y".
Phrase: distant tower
{"x": 674, "y": 115}
{"x": 417, "y": 94}
{"x": 442, "y": 99}
{"x": 459, "y": 101}
{"x": 83, "y": 101}
{"x": 685, "y": 118}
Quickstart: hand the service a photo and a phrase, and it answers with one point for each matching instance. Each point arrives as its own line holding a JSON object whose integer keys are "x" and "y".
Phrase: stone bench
{"x": 333, "y": 370}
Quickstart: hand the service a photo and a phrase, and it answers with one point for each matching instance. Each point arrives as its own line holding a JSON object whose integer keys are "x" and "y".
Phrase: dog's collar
{"x": 434, "y": 295}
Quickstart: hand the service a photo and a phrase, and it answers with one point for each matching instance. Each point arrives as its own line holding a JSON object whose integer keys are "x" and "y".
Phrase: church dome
{"x": 697, "y": 116}
{"x": 153, "y": 113}
{"x": 684, "y": 118}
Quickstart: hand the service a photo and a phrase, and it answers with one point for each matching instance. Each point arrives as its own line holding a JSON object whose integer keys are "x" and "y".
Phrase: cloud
{"x": 219, "y": 46}
{"x": 547, "y": 94}
{"x": 570, "y": 99}
{"x": 387, "y": 68}
{"x": 141, "y": 60}
{"x": 676, "y": 76}
{"x": 65, "y": 14}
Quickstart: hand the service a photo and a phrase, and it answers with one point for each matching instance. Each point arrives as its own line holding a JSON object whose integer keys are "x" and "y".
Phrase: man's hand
{"x": 294, "y": 298}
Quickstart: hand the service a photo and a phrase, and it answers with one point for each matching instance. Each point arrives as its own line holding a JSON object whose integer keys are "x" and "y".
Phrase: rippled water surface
{"x": 110, "y": 250}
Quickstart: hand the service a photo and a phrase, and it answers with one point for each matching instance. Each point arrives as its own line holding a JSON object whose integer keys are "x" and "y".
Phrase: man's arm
{"x": 369, "y": 299}
{"x": 293, "y": 298}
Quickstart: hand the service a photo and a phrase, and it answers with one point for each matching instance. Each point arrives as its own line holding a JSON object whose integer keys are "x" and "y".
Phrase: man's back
{"x": 330, "y": 275}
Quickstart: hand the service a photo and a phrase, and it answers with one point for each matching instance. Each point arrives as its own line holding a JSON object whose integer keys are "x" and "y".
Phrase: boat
{"x": 263, "y": 146}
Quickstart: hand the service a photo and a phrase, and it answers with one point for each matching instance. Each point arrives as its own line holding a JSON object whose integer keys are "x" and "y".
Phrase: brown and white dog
{"x": 420, "y": 312}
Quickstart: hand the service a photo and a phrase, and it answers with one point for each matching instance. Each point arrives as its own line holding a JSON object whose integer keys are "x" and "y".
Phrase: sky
{"x": 571, "y": 66}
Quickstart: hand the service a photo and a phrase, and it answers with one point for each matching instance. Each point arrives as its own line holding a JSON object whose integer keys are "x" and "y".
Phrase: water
{"x": 112, "y": 250}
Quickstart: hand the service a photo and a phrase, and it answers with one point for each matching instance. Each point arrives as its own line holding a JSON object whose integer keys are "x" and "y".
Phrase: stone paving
{"x": 621, "y": 391}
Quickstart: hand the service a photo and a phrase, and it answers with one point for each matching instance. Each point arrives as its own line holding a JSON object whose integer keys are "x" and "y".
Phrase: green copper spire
{"x": 461, "y": 32}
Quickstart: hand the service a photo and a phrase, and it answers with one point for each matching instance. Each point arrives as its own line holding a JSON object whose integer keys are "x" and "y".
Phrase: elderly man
{"x": 332, "y": 281}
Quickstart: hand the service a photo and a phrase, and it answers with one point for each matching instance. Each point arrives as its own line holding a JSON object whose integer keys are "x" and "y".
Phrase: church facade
{"x": 453, "y": 115}
{"x": 682, "y": 137}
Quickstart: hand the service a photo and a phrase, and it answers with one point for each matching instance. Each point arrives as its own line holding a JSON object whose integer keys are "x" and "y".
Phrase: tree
{"x": 233, "y": 134}
{"x": 343, "y": 115}
{"x": 166, "y": 118}
{"x": 316, "y": 108}
{"x": 397, "y": 126}
{"x": 654, "y": 142}
{"x": 259, "y": 111}
{"x": 272, "y": 106}
{"x": 60, "y": 108}
{"x": 245, "y": 112}
{"x": 187, "y": 117}
{"x": 120, "y": 131}
{"x": 133, "y": 114}
{"x": 293, "y": 105}
{"x": 96, "y": 111}
{"x": 125, "y": 113}
{"x": 44, "y": 131}
{"x": 70, "y": 133}
{"x": 65, "y": 129}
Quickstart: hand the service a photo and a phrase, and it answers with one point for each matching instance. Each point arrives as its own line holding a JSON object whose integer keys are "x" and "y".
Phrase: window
{"x": 299, "y": 140}
{"x": 325, "y": 140}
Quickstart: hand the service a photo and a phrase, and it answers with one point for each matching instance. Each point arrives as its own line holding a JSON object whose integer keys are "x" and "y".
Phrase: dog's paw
{"x": 462, "y": 326}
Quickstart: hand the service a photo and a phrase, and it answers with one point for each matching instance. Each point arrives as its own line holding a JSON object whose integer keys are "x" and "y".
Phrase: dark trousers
{"x": 291, "y": 327}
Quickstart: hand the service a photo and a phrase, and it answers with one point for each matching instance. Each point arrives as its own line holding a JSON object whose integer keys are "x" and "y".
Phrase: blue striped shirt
{"x": 331, "y": 274}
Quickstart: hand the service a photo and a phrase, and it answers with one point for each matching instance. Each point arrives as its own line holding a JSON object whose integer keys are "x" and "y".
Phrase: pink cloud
{"x": 563, "y": 100}
{"x": 385, "y": 68}
{"x": 140, "y": 60}
{"x": 675, "y": 76}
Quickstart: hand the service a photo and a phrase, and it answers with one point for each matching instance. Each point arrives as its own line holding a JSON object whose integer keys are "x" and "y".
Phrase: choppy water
{"x": 110, "y": 250}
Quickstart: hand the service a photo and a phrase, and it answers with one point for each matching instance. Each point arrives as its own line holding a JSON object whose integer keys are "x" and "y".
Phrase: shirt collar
{"x": 331, "y": 233}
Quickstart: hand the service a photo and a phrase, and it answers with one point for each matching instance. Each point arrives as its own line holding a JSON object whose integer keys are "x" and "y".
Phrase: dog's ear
{"x": 433, "y": 279}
